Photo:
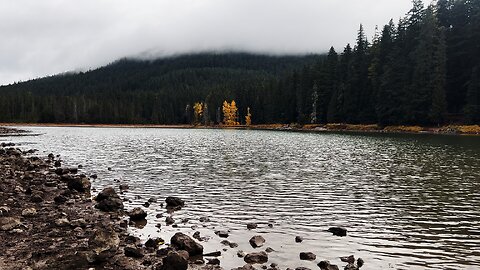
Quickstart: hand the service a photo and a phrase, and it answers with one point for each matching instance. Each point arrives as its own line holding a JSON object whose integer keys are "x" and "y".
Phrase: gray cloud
{"x": 46, "y": 37}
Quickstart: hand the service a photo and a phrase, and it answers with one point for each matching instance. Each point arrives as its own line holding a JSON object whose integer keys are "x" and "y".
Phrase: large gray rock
{"x": 108, "y": 200}
{"x": 181, "y": 241}
{"x": 256, "y": 257}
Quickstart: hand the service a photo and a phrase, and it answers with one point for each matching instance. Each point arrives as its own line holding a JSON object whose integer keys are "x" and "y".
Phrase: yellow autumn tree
{"x": 230, "y": 113}
{"x": 248, "y": 117}
{"x": 198, "y": 112}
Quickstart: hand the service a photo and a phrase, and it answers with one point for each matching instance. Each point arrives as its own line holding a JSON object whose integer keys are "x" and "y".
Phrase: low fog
{"x": 47, "y": 37}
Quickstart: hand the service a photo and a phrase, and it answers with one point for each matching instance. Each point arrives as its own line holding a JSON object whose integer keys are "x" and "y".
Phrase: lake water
{"x": 408, "y": 201}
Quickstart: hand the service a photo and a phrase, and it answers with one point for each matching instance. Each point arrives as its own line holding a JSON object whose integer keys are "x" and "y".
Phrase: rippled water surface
{"x": 408, "y": 201}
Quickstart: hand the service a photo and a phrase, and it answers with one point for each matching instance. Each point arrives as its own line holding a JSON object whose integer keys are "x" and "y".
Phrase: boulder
{"x": 298, "y": 239}
{"x": 256, "y": 257}
{"x": 338, "y": 231}
{"x": 174, "y": 261}
{"x": 181, "y": 241}
{"x": 308, "y": 256}
{"x": 108, "y": 200}
{"x": 174, "y": 202}
{"x": 137, "y": 213}
{"x": 252, "y": 226}
{"x": 257, "y": 241}
{"x": 8, "y": 223}
{"x": 169, "y": 220}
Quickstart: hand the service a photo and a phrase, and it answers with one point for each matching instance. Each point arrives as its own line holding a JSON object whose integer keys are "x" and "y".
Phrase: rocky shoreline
{"x": 50, "y": 220}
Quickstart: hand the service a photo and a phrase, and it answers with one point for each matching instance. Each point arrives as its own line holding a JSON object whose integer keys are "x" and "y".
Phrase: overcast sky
{"x": 45, "y": 37}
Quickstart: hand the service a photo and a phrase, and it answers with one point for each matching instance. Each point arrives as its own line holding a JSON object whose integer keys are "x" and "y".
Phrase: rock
{"x": 154, "y": 242}
{"x": 133, "y": 252}
{"x": 213, "y": 254}
{"x": 152, "y": 200}
{"x": 164, "y": 251}
{"x": 80, "y": 184}
{"x": 228, "y": 243}
{"x": 251, "y": 226}
{"x": 204, "y": 219}
{"x": 348, "y": 259}
{"x": 94, "y": 176}
{"x": 57, "y": 163}
{"x": 222, "y": 234}
{"x": 338, "y": 231}
{"x": 62, "y": 222}
{"x": 169, "y": 220}
{"x": 29, "y": 212}
{"x": 4, "y": 210}
{"x": 214, "y": 261}
{"x": 173, "y": 261}
{"x": 60, "y": 199}
{"x": 256, "y": 257}
{"x": 146, "y": 204}
{"x": 298, "y": 239}
{"x": 325, "y": 265}
{"x": 257, "y": 241}
{"x": 108, "y": 200}
{"x": 308, "y": 256}
{"x": 36, "y": 199}
{"x": 8, "y": 223}
{"x": 197, "y": 236}
{"x": 302, "y": 268}
{"x": 245, "y": 267}
{"x": 269, "y": 250}
{"x": 241, "y": 254}
{"x": 104, "y": 243}
{"x": 124, "y": 187}
{"x": 360, "y": 262}
{"x": 181, "y": 241}
{"x": 174, "y": 202}
{"x": 137, "y": 213}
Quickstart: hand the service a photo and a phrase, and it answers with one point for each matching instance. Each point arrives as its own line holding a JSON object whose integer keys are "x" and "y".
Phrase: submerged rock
{"x": 256, "y": 257}
{"x": 252, "y": 226}
{"x": 181, "y": 241}
{"x": 298, "y": 239}
{"x": 257, "y": 241}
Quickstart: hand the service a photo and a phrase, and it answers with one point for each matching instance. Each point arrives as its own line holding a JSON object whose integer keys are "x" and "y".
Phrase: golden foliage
{"x": 248, "y": 117}
{"x": 198, "y": 112}
{"x": 230, "y": 111}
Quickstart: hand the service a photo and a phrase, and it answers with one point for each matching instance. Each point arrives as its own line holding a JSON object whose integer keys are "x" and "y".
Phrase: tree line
{"x": 422, "y": 70}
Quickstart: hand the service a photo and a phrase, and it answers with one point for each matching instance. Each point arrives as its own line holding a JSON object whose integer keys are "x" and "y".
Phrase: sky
{"x": 46, "y": 37}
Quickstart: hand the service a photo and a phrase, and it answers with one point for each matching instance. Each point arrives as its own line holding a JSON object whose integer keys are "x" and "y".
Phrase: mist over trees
{"x": 422, "y": 70}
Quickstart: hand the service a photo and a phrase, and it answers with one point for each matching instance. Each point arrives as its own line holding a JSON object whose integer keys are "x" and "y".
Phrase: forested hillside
{"x": 423, "y": 69}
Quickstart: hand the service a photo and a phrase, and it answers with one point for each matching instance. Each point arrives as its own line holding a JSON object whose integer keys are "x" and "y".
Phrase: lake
{"x": 408, "y": 201}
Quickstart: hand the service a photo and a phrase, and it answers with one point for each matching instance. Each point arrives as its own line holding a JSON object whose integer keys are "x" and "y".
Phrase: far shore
{"x": 314, "y": 128}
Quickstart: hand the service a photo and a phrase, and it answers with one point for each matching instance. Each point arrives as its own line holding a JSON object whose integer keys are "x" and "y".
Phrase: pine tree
{"x": 472, "y": 109}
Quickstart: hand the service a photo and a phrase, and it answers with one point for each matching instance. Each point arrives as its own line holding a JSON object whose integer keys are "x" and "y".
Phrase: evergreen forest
{"x": 423, "y": 69}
